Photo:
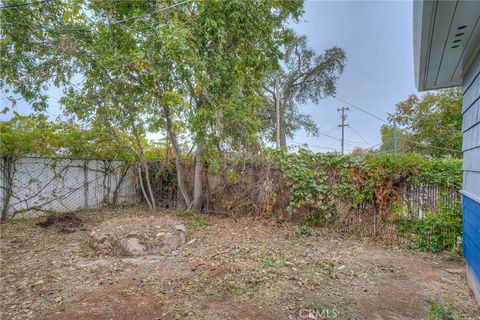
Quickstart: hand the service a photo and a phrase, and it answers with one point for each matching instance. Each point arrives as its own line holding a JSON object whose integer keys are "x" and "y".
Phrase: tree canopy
{"x": 36, "y": 135}
{"x": 304, "y": 76}
{"x": 191, "y": 69}
{"x": 431, "y": 124}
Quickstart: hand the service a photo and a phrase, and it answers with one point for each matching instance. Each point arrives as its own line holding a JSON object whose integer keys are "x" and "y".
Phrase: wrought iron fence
{"x": 422, "y": 197}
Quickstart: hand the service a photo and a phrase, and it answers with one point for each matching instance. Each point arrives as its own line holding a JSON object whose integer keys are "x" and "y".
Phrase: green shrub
{"x": 436, "y": 232}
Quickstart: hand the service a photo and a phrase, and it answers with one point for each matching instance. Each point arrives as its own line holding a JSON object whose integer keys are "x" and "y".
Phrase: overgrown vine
{"x": 317, "y": 181}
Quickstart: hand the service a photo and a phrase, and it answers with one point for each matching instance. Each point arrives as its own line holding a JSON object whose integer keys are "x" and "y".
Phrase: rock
{"x": 132, "y": 235}
{"x": 191, "y": 241}
{"x": 132, "y": 247}
{"x": 94, "y": 263}
{"x": 143, "y": 260}
{"x": 181, "y": 232}
{"x": 180, "y": 227}
{"x": 100, "y": 241}
{"x": 455, "y": 271}
{"x": 39, "y": 282}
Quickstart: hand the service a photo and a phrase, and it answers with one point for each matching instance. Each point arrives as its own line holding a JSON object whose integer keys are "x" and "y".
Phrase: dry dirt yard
{"x": 228, "y": 269}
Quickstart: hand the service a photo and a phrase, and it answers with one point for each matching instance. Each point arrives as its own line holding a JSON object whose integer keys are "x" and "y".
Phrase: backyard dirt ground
{"x": 228, "y": 269}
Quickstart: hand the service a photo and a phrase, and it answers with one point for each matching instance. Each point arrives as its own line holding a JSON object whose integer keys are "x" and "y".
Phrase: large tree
{"x": 430, "y": 124}
{"x": 191, "y": 68}
{"x": 303, "y": 76}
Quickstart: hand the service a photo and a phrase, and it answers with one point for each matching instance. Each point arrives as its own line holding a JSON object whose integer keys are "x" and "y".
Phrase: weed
{"x": 438, "y": 311}
{"x": 123, "y": 292}
{"x": 183, "y": 212}
{"x": 203, "y": 279}
{"x": 268, "y": 263}
{"x": 305, "y": 230}
{"x": 212, "y": 293}
{"x": 15, "y": 221}
{"x": 200, "y": 222}
{"x": 177, "y": 312}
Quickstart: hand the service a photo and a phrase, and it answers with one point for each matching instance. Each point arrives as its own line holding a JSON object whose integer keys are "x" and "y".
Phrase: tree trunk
{"x": 119, "y": 183}
{"x": 198, "y": 188}
{"x": 276, "y": 98}
{"x": 178, "y": 159}
{"x": 142, "y": 186}
{"x": 139, "y": 157}
{"x": 144, "y": 164}
{"x": 181, "y": 178}
{"x": 149, "y": 185}
{"x": 283, "y": 137}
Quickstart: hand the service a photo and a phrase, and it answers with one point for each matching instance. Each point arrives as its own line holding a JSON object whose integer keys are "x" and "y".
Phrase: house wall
{"x": 471, "y": 173}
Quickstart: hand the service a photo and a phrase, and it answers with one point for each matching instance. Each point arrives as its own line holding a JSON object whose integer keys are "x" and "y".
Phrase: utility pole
{"x": 343, "y": 125}
{"x": 395, "y": 136}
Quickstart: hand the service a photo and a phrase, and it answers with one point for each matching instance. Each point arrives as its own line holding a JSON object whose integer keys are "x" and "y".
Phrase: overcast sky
{"x": 377, "y": 39}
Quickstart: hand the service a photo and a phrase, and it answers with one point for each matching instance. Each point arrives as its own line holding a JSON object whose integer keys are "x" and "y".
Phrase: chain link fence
{"x": 31, "y": 185}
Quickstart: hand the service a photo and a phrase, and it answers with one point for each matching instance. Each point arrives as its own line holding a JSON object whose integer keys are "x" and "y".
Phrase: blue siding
{"x": 471, "y": 235}
{"x": 471, "y": 171}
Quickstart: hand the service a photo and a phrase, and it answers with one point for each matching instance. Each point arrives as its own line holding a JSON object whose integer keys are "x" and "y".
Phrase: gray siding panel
{"x": 471, "y": 138}
{"x": 471, "y": 182}
{"x": 471, "y": 95}
{"x": 471, "y": 160}
{"x": 471, "y": 129}
{"x": 471, "y": 116}
{"x": 471, "y": 74}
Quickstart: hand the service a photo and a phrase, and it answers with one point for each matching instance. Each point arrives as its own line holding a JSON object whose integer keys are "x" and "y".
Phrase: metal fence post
{"x": 6, "y": 186}
{"x": 85, "y": 182}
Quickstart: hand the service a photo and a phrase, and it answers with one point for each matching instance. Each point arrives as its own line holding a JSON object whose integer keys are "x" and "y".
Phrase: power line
{"x": 360, "y": 136}
{"x": 350, "y": 144}
{"x": 80, "y": 28}
{"x": 311, "y": 145}
{"x": 334, "y": 127}
{"x": 413, "y": 141}
{"x": 382, "y": 152}
{"x": 328, "y": 136}
{"x": 428, "y": 145}
{"x": 338, "y": 139}
{"x": 149, "y": 13}
{"x": 378, "y": 144}
{"x": 16, "y": 5}
{"x": 363, "y": 110}
{"x": 356, "y": 144}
